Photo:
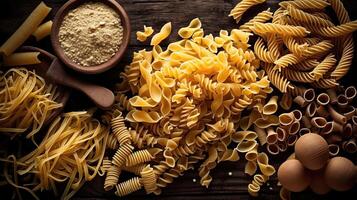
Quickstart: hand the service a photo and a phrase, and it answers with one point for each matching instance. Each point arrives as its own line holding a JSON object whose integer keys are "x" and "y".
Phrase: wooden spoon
{"x": 101, "y": 96}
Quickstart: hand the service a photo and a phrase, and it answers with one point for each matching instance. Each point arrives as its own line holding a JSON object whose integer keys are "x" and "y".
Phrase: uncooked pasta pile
{"x": 300, "y": 45}
{"x": 187, "y": 103}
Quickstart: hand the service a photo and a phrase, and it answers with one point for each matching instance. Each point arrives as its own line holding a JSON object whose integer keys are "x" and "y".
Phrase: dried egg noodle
{"x": 26, "y": 102}
{"x": 72, "y": 151}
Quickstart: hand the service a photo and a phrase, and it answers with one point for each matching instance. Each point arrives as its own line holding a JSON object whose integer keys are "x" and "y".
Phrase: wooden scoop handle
{"x": 101, "y": 96}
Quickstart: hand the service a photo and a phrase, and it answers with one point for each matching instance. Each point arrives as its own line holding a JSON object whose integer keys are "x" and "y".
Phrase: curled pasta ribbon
{"x": 271, "y": 107}
{"x": 163, "y": 34}
{"x": 188, "y": 31}
{"x": 308, "y": 18}
{"x": 142, "y": 36}
{"x": 240, "y": 136}
{"x": 258, "y": 181}
{"x": 143, "y": 116}
{"x": 263, "y": 165}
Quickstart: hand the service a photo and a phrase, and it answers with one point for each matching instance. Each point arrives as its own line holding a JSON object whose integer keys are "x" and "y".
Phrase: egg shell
{"x": 293, "y": 176}
{"x": 318, "y": 184}
{"x": 340, "y": 174}
{"x": 312, "y": 150}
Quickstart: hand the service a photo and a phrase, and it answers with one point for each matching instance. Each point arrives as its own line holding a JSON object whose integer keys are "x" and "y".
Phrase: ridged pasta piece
{"x": 143, "y": 35}
{"x": 320, "y": 48}
{"x": 148, "y": 179}
{"x": 347, "y": 50}
{"x": 262, "y": 17}
{"x": 321, "y": 69}
{"x": 296, "y": 90}
{"x": 141, "y": 156}
{"x": 325, "y": 83}
{"x": 262, "y": 53}
{"x": 294, "y": 46}
{"x": 274, "y": 44}
{"x": 278, "y": 16}
{"x": 242, "y": 7}
{"x": 141, "y": 137}
{"x": 112, "y": 142}
{"x": 127, "y": 187}
{"x": 286, "y": 60}
{"x": 278, "y": 80}
{"x": 119, "y": 128}
{"x": 258, "y": 181}
{"x": 305, "y": 4}
{"x": 305, "y": 65}
{"x": 123, "y": 103}
{"x": 112, "y": 177}
{"x": 136, "y": 169}
{"x": 308, "y": 18}
{"x": 298, "y": 76}
{"x": 336, "y": 31}
{"x": 165, "y": 31}
{"x": 284, "y": 30}
{"x": 122, "y": 154}
{"x": 106, "y": 165}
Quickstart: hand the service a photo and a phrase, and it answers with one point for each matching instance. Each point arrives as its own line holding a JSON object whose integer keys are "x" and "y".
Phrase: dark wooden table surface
{"x": 214, "y": 17}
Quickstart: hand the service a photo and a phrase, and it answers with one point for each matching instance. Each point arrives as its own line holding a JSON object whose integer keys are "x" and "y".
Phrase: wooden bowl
{"x": 57, "y": 21}
{"x": 46, "y": 59}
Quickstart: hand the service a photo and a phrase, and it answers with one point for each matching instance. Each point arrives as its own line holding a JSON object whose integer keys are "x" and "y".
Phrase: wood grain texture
{"x": 155, "y": 13}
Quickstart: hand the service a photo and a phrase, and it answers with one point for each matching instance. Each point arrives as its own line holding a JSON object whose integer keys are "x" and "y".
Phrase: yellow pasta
{"x": 262, "y": 17}
{"x": 26, "y": 29}
{"x": 43, "y": 30}
{"x": 308, "y": 18}
{"x": 243, "y": 6}
{"x": 23, "y": 58}
{"x": 258, "y": 181}
{"x": 148, "y": 178}
{"x": 284, "y": 30}
{"x": 305, "y": 4}
{"x": 188, "y": 31}
{"x": 163, "y": 34}
{"x": 27, "y": 102}
{"x": 128, "y": 187}
{"x": 142, "y": 36}
{"x": 325, "y": 65}
{"x": 271, "y": 107}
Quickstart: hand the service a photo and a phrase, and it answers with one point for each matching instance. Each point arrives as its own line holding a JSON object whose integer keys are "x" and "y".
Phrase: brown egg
{"x": 293, "y": 176}
{"x": 318, "y": 184}
{"x": 312, "y": 150}
{"x": 340, "y": 174}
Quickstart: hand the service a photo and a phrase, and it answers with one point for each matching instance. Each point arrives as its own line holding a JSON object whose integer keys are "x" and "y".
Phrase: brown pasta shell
{"x": 333, "y": 149}
{"x": 323, "y": 99}
{"x": 350, "y": 93}
{"x": 309, "y": 95}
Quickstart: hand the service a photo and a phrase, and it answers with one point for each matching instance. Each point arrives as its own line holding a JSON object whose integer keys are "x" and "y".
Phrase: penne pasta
{"x": 26, "y": 29}
{"x": 309, "y": 95}
{"x": 22, "y": 58}
{"x": 323, "y": 99}
{"x": 43, "y": 30}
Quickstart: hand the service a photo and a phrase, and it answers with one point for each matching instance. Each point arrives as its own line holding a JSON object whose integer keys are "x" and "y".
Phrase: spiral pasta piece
{"x": 138, "y": 157}
{"x": 308, "y": 18}
{"x": 262, "y": 17}
{"x": 262, "y": 53}
{"x": 278, "y": 80}
{"x": 148, "y": 179}
{"x": 286, "y": 60}
{"x": 119, "y": 128}
{"x": 321, "y": 69}
{"x": 336, "y": 31}
{"x": 298, "y": 76}
{"x": 284, "y": 30}
{"x": 165, "y": 31}
{"x": 294, "y": 46}
{"x": 305, "y": 4}
{"x": 127, "y": 187}
{"x": 242, "y": 7}
{"x": 121, "y": 154}
{"x": 112, "y": 177}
